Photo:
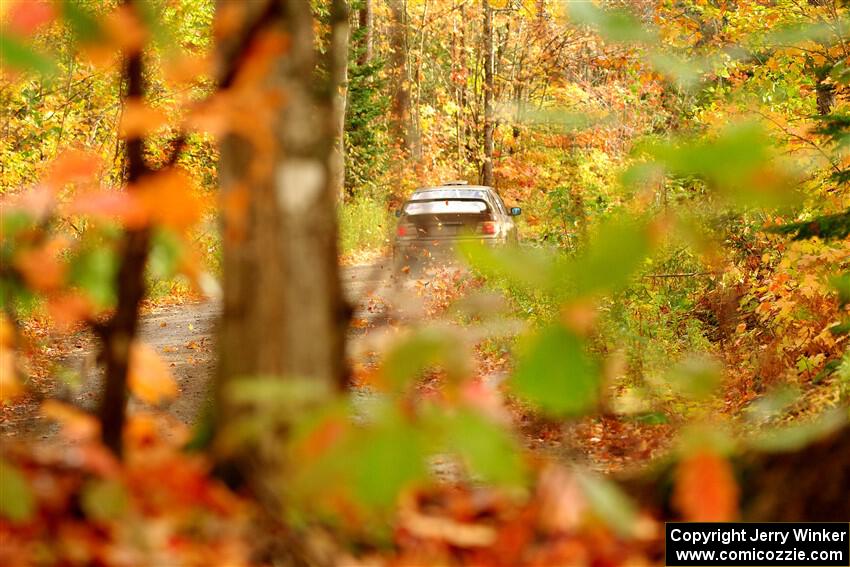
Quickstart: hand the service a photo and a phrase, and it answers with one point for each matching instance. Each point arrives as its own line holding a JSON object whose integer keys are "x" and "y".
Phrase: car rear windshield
{"x": 431, "y": 194}
{"x": 445, "y": 206}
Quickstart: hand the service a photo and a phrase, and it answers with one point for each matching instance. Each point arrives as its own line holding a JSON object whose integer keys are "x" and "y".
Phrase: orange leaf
{"x": 187, "y": 68}
{"x": 120, "y": 206}
{"x": 139, "y": 119}
{"x": 170, "y": 199}
{"x": 10, "y": 387}
{"x": 73, "y": 165}
{"x": 149, "y": 377}
{"x": 41, "y": 267}
{"x": 705, "y": 489}
{"x": 125, "y": 30}
{"x": 68, "y": 309}
{"x": 37, "y": 202}
{"x": 76, "y": 424}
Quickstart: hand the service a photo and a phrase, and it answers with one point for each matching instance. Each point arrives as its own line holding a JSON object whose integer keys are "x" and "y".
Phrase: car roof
{"x": 449, "y": 191}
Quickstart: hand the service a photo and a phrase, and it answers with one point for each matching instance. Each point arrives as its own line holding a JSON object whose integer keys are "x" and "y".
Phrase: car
{"x": 434, "y": 219}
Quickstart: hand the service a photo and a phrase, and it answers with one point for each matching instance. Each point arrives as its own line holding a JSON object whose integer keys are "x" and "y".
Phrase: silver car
{"x": 436, "y": 218}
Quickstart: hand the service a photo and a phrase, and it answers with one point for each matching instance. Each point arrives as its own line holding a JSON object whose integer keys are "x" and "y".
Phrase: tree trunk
{"x": 283, "y": 313}
{"x": 119, "y": 332}
{"x": 825, "y": 97}
{"x": 365, "y": 21}
{"x": 400, "y": 78}
{"x": 487, "y": 165}
{"x": 341, "y": 101}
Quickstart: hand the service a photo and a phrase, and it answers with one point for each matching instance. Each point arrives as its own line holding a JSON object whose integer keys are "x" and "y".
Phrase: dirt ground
{"x": 184, "y": 336}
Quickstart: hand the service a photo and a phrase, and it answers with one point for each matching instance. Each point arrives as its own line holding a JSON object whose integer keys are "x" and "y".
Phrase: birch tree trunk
{"x": 283, "y": 312}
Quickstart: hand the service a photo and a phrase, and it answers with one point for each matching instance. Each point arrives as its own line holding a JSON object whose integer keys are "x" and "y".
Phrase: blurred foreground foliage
{"x": 660, "y": 285}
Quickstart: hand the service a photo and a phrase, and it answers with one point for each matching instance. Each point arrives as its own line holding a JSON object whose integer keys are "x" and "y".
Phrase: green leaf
{"x": 18, "y": 55}
{"x": 613, "y": 256}
{"x": 527, "y": 268}
{"x": 841, "y": 283}
{"x": 652, "y": 418}
{"x": 94, "y": 270}
{"x": 614, "y": 25}
{"x": 826, "y": 227}
{"x": 697, "y": 377}
{"x": 420, "y": 351}
{"x": 166, "y": 253}
{"x": 609, "y": 502}
{"x": 739, "y": 162}
{"x": 488, "y": 449}
{"x": 555, "y": 374}
{"x": 383, "y": 460}
{"x": 82, "y": 22}
{"x": 16, "y": 500}
{"x": 797, "y": 436}
{"x": 152, "y": 16}
{"x": 104, "y": 500}
{"x": 684, "y": 71}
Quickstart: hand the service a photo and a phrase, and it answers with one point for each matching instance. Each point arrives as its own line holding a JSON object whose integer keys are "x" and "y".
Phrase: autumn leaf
{"x": 110, "y": 205}
{"x": 25, "y": 17}
{"x": 10, "y": 387}
{"x": 186, "y": 68}
{"x": 41, "y": 267}
{"x": 140, "y": 119}
{"x": 36, "y": 202}
{"x": 69, "y": 309}
{"x": 73, "y": 165}
{"x": 170, "y": 199}
{"x": 124, "y": 29}
{"x": 76, "y": 424}
{"x": 706, "y": 490}
{"x": 149, "y": 378}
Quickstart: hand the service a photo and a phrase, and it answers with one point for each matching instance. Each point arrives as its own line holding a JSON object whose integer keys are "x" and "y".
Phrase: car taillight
{"x": 406, "y": 230}
{"x": 487, "y": 227}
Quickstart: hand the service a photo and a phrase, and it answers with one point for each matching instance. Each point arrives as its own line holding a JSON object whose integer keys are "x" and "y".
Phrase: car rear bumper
{"x": 436, "y": 249}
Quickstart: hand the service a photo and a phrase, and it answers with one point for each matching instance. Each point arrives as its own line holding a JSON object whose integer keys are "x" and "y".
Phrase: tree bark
{"x": 365, "y": 21}
{"x": 400, "y": 125}
{"x": 341, "y": 103}
{"x": 487, "y": 165}
{"x": 283, "y": 313}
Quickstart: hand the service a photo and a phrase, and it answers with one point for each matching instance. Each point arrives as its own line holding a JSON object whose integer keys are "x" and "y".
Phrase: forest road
{"x": 184, "y": 337}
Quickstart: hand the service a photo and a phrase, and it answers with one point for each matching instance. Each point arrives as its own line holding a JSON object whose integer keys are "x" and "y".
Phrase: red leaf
{"x": 26, "y": 16}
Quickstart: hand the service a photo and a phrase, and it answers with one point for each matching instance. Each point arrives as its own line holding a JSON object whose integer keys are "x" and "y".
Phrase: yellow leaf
{"x": 149, "y": 378}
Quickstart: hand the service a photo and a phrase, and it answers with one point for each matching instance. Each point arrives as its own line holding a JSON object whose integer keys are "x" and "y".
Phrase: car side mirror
{"x": 398, "y": 213}
{"x": 516, "y": 211}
